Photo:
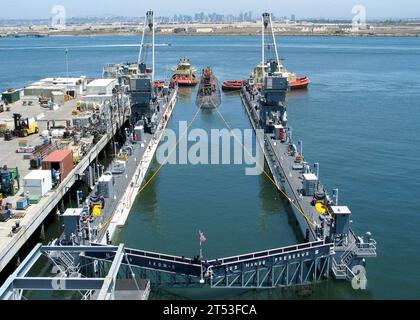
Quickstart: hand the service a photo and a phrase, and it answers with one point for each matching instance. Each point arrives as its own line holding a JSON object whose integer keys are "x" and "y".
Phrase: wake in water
{"x": 82, "y": 47}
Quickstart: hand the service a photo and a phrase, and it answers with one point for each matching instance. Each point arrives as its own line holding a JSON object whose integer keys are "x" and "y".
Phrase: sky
{"x": 375, "y": 9}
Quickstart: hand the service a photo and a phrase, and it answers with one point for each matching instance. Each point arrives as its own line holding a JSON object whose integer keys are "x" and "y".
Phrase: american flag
{"x": 202, "y": 237}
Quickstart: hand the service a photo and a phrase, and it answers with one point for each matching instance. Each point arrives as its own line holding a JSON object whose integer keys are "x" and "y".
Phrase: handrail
{"x": 265, "y": 254}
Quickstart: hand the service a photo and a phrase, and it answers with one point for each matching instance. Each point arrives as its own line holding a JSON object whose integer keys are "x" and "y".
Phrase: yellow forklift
{"x": 23, "y": 127}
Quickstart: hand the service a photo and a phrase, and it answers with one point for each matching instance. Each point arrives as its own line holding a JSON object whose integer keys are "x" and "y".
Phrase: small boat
{"x": 209, "y": 93}
{"x": 184, "y": 73}
{"x": 232, "y": 85}
{"x": 299, "y": 83}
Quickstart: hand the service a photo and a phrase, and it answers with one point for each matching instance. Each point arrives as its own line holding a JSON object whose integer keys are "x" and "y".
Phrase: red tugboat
{"x": 233, "y": 85}
{"x": 294, "y": 81}
{"x": 257, "y": 75}
{"x": 184, "y": 73}
{"x": 299, "y": 83}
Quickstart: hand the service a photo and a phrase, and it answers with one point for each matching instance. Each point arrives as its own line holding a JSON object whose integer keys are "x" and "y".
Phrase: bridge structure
{"x": 116, "y": 272}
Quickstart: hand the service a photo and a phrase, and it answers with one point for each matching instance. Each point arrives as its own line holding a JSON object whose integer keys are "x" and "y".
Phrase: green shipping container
{"x": 34, "y": 199}
{"x": 11, "y": 97}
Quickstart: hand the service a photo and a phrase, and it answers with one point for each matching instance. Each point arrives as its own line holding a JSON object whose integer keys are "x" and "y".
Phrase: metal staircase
{"x": 341, "y": 268}
{"x": 65, "y": 263}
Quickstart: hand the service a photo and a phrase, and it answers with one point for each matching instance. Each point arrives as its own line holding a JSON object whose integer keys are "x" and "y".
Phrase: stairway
{"x": 341, "y": 268}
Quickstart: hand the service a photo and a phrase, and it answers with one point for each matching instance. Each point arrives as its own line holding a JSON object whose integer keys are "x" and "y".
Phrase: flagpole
{"x": 201, "y": 263}
{"x": 201, "y": 238}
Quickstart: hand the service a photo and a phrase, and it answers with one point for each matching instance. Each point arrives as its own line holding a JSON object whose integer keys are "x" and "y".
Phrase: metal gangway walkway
{"x": 97, "y": 271}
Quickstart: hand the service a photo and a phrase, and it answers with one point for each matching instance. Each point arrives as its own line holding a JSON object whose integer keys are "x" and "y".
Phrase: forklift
{"x": 22, "y": 126}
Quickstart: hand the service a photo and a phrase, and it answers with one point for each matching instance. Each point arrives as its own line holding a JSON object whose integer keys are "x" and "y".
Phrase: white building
{"x": 204, "y": 30}
{"x": 45, "y": 87}
{"x": 101, "y": 87}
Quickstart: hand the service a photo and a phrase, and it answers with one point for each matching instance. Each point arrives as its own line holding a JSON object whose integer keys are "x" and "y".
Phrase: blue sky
{"x": 302, "y": 8}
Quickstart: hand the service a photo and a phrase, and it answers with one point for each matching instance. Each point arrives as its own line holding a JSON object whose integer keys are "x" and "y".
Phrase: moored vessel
{"x": 258, "y": 73}
{"x": 209, "y": 94}
{"x": 294, "y": 82}
{"x": 233, "y": 85}
{"x": 184, "y": 73}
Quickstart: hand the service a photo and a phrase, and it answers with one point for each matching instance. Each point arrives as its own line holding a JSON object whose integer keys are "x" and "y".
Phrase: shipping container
{"x": 37, "y": 182}
{"x": 59, "y": 160}
{"x": 11, "y": 96}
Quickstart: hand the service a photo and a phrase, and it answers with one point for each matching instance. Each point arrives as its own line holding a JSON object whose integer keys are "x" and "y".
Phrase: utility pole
{"x": 301, "y": 147}
{"x": 335, "y": 194}
{"x": 316, "y": 165}
{"x": 67, "y": 70}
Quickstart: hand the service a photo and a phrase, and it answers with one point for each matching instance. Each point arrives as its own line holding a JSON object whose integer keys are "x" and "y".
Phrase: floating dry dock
{"x": 86, "y": 261}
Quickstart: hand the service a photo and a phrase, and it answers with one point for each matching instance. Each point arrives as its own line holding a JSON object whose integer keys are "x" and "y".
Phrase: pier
{"x": 33, "y": 217}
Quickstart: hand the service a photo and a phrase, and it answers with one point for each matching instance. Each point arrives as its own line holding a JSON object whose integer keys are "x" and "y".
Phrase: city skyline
{"x": 302, "y": 9}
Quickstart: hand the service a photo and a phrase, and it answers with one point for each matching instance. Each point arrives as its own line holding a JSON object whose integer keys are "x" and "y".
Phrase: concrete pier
{"x": 32, "y": 218}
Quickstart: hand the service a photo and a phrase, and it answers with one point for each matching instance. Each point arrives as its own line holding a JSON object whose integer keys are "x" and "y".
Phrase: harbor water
{"x": 358, "y": 119}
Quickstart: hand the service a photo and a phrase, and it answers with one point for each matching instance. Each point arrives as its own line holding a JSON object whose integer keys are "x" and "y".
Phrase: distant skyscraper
{"x": 293, "y": 17}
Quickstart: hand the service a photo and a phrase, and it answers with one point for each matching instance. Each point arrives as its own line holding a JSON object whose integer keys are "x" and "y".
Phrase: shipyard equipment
{"x": 9, "y": 181}
{"x": 40, "y": 153}
{"x": 106, "y": 186}
{"x": 8, "y": 135}
{"x": 144, "y": 101}
{"x": 5, "y": 209}
{"x": 37, "y": 182}
{"x": 22, "y": 203}
{"x": 24, "y": 127}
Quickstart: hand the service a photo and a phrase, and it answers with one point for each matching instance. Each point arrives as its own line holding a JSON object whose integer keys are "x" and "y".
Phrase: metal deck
{"x": 126, "y": 184}
{"x": 350, "y": 251}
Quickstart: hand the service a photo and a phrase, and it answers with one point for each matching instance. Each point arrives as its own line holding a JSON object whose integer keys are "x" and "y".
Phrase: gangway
{"x": 96, "y": 271}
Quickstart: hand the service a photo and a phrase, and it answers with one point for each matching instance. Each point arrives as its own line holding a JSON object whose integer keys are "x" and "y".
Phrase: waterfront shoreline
{"x": 287, "y": 34}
